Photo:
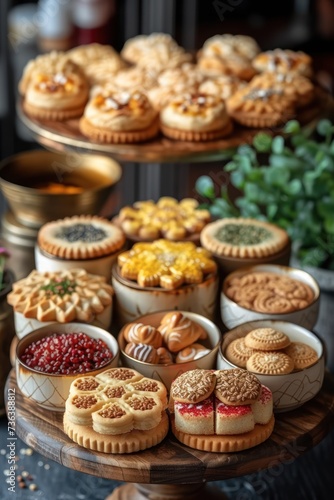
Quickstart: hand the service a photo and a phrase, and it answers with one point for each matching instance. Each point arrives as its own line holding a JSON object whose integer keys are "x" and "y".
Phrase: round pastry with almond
{"x": 53, "y": 88}
{"x": 284, "y": 61}
{"x": 119, "y": 116}
{"x": 127, "y": 415}
{"x": 167, "y": 218}
{"x": 201, "y": 420}
{"x": 195, "y": 117}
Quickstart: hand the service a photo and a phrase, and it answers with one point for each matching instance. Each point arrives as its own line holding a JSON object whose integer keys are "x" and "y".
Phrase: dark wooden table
{"x": 171, "y": 470}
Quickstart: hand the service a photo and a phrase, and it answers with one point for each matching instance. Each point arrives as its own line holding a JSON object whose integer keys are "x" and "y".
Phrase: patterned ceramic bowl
{"x": 50, "y": 390}
{"x": 294, "y": 389}
{"x": 167, "y": 373}
{"x": 234, "y": 313}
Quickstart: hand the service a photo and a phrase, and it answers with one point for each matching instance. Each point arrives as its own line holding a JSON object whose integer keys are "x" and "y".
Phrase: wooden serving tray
{"x": 66, "y": 135}
{"x": 170, "y": 469}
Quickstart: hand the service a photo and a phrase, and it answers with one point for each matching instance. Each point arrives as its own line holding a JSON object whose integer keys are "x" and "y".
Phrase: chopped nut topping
{"x": 114, "y": 392}
{"x": 83, "y": 401}
{"x": 142, "y": 404}
{"x": 112, "y": 411}
{"x": 86, "y": 384}
{"x": 149, "y": 386}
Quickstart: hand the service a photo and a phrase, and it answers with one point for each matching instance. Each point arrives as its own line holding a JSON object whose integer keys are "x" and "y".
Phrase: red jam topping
{"x": 202, "y": 409}
{"x": 233, "y": 411}
{"x": 67, "y": 353}
{"x": 266, "y": 395}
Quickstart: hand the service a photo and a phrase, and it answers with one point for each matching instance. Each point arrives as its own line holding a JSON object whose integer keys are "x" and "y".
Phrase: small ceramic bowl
{"x": 232, "y": 314}
{"x": 167, "y": 373}
{"x": 294, "y": 389}
{"x": 132, "y": 300}
{"x": 49, "y": 390}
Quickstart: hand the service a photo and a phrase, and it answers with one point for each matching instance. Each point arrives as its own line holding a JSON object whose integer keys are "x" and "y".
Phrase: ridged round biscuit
{"x": 193, "y": 386}
{"x": 237, "y": 352}
{"x": 266, "y": 339}
{"x": 270, "y": 363}
{"x": 129, "y": 442}
{"x": 237, "y": 386}
{"x": 225, "y": 444}
{"x": 302, "y": 354}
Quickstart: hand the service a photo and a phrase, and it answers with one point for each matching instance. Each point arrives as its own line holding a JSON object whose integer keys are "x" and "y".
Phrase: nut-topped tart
{"x": 167, "y": 218}
{"x": 117, "y": 411}
{"x": 195, "y": 117}
{"x": 284, "y": 61}
{"x": 117, "y": 116}
{"x": 53, "y": 88}
{"x": 86, "y": 241}
{"x": 63, "y": 296}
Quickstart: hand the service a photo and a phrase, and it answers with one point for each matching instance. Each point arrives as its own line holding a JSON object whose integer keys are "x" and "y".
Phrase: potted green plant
{"x": 288, "y": 180}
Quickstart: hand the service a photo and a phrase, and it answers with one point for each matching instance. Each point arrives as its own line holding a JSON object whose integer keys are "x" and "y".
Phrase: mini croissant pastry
{"x": 179, "y": 331}
{"x": 142, "y": 334}
{"x": 142, "y": 352}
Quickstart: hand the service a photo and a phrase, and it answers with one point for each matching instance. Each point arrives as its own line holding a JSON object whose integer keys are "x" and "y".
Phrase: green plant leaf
{"x": 262, "y": 142}
{"x": 291, "y": 127}
{"x": 329, "y": 225}
{"x": 205, "y": 187}
{"x": 324, "y": 127}
{"x": 276, "y": 176}
{"x": 271, "y": 210}
{"x": 313, "y": 256}
{"x": 294, "y": 187}
{"x": 277, "y": 145}
{"x": 237, "y": 179}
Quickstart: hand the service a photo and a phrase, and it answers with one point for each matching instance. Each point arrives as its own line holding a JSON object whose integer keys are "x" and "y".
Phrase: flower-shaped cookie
{"x": 166, "y": 264}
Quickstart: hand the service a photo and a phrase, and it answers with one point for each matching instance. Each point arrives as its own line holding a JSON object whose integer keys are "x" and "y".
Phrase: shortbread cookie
{"x": 167, "y": 218}
{"x": 243, "y": 237}
{"x": 79, "y": 407}
{"x": 195, "y": 117}
{"x": 302, "y": 354}
{"x": 263, "y": 408}
{"x": 119, "y": 375}
{"x": 147, "y": 385}
{"x": 231, "y": 420}
{"x": 119, "y": 117}
{"x": 270, "y": 363}
{"x": 237, "y": 387}
{"x": 166, "y": 264}
{"x": 225, "y": 444}
{"x": 62, "y": 296}
{"x": 195, "y": 418}
{"x": 266, "y": 339}
{"x": 129, "y": 442}
{"x": 179, "y": 331}
{"x": 80, "y": 237}
{"x": 191, "y": 353}
{"x": 86, "y": 385}
{"x": 237, "y": 352}
{"x": 284, "y": 61}
{"x": 193, "y": 386}
{"x": 257, "y": 107}
{"x": 142, "y": 334}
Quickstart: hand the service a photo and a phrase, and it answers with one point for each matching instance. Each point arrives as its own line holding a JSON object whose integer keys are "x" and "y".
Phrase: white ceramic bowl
{"x": 167, "y": 373}
{"x": 232, "y": 314}
{"x": 24, "y": 325}
{"x": 48, "y": 390}
{"x": 132, "y": 301}
{"x": 294, "y": 389}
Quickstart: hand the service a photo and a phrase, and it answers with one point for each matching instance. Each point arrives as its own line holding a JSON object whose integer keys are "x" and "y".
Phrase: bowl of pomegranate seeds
{"x": 51, "y": 357}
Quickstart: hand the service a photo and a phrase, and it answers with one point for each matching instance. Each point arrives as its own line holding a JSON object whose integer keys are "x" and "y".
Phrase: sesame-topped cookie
{"x": 237, "y": 387}
{"x": 193, "y": 386}
{"x": 195, "y": 117}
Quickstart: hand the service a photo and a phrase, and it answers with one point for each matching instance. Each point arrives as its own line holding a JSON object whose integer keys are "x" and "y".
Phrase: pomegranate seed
{"x": 67, "y": 353}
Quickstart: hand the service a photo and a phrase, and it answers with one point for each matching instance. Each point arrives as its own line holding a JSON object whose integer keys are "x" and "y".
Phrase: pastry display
{"x": 268, "y": 292}
{"x": 119, "y": 116}
{"x": 125, "y": 413}
{"x": 177, "y": 339}
{"x": 167, "y": 218}
{"x": 284, "y": 61}
{"x": 243, "y": 238}
{"x": 220, "y": 410}
{"x": 53, "y": 88}
{"x": 166, "y": 264}
{"x": 222, "y": 86}
{"x": 268, "y": 351}
{"x": 195, "y": 117}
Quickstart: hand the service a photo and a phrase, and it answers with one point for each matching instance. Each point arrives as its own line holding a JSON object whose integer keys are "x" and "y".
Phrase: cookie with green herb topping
{"x": 244, "y": 238}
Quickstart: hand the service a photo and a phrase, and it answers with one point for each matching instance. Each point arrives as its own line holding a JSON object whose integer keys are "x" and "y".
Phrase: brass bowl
{"x": 40, "y": 186}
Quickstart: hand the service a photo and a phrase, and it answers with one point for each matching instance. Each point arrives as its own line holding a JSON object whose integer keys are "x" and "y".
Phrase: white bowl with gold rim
{"x": 233, "y": 314}
{"x": 291, "y": 390}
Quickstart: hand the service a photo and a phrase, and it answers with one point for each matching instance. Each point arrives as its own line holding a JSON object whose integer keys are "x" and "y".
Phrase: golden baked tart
{"x": 243, "y": 238}
{"x": 134, "y": 47}
{"x": 119, "y": 117}
{"x": 222, "y": 86}
{"x": 284, "y": 61}
{"x": 166, "y": 264}
{"x": 54, "y": 88}
{"x": 258, "y": 107}
{"x": 80, "y": 237}
{"x": 121, "y": 417}
{"x": 167, "y": 218}
{"x": 195, "y": 117}
{"x": 135, "y": 77}
{"x": 62, "y": 296}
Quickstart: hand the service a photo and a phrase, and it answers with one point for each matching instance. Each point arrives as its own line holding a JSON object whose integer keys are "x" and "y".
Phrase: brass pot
{"x": 41, "y": 186}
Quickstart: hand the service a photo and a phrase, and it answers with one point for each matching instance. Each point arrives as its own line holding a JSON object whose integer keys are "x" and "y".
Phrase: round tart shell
{"x": 129, "y": 442}
{"x": 52, "y": 114}
{"x": 196, "y": 136}
{"x": 225, "y": 444}
{"x": 108, "y": 136}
